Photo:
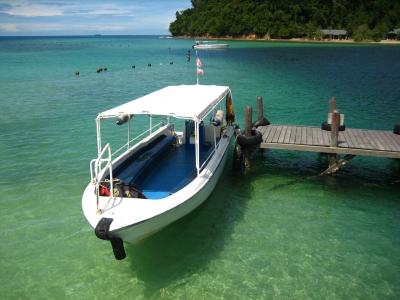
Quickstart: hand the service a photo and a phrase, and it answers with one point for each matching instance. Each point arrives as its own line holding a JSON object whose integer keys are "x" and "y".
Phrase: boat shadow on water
{"x": 170, "y": 257}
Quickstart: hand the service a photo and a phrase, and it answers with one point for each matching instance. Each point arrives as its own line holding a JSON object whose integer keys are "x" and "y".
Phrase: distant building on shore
{"x": 338, "y": 34}
{"x": 394, "y": 34}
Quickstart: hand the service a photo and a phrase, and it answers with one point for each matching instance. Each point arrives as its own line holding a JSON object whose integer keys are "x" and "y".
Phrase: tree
{"x": 367, "y": 19}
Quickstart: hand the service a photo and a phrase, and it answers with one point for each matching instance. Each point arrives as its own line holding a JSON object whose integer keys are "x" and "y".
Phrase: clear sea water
{"x": 280, "y": 232}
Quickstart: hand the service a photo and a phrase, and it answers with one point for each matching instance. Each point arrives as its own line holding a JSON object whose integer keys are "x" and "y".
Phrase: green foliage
{"x": 362, "y": 33}
{"x": 370, "y": 19}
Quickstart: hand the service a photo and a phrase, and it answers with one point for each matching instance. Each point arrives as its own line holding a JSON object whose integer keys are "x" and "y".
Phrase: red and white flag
{"x": 200, "y": 71}
{"x": 198, "y": 62}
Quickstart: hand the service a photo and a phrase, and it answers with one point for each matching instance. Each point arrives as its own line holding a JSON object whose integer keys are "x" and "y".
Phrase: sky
{"x": 86, "y": 17}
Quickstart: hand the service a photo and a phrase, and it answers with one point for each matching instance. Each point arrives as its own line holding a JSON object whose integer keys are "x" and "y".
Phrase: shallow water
{"x": 281, "y": 232}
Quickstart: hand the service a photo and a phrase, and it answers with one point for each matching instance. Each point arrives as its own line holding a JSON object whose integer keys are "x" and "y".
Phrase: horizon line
{"x": 85, "y": 35}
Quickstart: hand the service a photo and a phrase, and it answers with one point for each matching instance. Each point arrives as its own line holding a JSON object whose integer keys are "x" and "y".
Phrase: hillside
{"x": 363, "y": 19}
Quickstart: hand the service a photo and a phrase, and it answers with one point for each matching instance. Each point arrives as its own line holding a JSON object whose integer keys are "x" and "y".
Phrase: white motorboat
{"x": 206, "y": 45}
{"x": 164, "y": 172}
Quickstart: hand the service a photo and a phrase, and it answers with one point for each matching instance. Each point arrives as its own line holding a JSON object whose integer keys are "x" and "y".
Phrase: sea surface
{"x": 280, "y": 232}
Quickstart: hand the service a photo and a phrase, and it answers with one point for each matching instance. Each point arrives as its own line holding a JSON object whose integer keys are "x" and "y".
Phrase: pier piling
{"x": 332, "y": 104}
{"x": 335, "y": 128}
{"x": 260, "y": 108}
{"x": 247, "y": 133}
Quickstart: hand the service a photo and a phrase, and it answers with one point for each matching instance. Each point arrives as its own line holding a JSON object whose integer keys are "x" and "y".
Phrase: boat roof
{"x": 182, "y": 101}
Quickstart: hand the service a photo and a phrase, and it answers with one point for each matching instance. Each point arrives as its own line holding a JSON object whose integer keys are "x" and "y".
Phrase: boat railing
{"x": 208, "y": 158}
{"x": 97, "y": 170}
{"x": 128, "y": 144}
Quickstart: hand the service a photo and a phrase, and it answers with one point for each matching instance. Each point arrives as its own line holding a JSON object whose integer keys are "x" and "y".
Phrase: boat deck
{"x": 164, "y": 172}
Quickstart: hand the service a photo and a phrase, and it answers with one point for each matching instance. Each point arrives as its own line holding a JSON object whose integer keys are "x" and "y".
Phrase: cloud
{"x": 28, "y": 27}
{"x": 27, "y": 9}
{"x": 8, "y": 27}
{"x": 85, "y": 17}
{"x": 101, "y": 9}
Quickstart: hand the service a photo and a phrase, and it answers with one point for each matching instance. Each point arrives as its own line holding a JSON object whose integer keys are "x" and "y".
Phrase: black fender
{"x": 327, "y": 127}
{"x": 396, "y": 129}
{"x": 262, "y": 122}
{"x": 102, "y": 232}
{"x": 254, "y": 139}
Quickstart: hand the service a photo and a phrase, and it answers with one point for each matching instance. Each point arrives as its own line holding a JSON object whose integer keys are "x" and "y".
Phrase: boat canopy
{"x": 182, "y": 101}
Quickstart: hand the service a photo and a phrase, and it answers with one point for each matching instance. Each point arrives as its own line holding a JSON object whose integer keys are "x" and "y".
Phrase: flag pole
{"x": 197, "y": 69}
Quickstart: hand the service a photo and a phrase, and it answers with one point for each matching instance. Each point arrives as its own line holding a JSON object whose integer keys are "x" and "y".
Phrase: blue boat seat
{"x": 132, "y": 168}
{"x": 155, "y": 195}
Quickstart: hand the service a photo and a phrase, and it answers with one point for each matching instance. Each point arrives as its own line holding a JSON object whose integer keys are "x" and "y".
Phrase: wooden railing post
{"x": 248, "y": 114}
{"x": 260, "y": 108}
{"x": 247, "y": 132}
{"x": 335, "y": 128}
{"x": 332, "y": 104}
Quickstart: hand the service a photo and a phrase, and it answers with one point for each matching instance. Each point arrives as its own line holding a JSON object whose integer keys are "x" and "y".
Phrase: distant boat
{"x": 207, "y": 45}
{"x": 161, "y": 174}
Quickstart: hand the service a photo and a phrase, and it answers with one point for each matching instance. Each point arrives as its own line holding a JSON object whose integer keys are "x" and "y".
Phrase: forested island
{"x": 285, "y": 19}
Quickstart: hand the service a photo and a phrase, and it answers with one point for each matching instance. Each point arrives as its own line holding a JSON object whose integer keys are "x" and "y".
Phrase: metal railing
{"x": 127, "y": 144}
{"x": 97, "y": 170}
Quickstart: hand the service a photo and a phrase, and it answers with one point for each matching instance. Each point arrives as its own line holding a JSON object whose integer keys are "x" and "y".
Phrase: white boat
{"x": 206, "y": 45}
{"x": 166, "y": 172}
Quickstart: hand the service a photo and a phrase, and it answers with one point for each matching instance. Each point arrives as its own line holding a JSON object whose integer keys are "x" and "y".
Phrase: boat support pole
{"x": 102, "y": 232}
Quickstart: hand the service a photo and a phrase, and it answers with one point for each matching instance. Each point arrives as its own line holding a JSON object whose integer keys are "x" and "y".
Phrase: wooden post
{"x": 332, "y": 105}
{"x": 247, "y": 132}
{"x": 335, "y": 128}
{"x": 248, "y": 113}
{"x": 334, "y": 135}
{"x": 260, "y": 108}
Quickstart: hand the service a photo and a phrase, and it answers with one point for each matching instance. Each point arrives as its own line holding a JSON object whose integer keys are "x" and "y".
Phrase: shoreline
{"x": 292, "y": 40}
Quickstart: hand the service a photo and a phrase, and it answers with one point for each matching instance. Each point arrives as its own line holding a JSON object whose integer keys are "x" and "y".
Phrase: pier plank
{"x": 325, "y": 137}
{"x": 315, "y": 137}
{"x": 304, "y": 135}
{"x": 356, "y": 138}
{"x": 293, "y": 135}
{"x": 309, "y": 135}
{"x": 391, "y": 137}
{"x": 282, "y": 135}
{"x": 267, "y": 132}
{"x": 347, "y": 138}
{"x": 287, "y": 134}
{"x": 369, "y": 140}
{"x": 298, "y": 135}
{"x": 320, "y": 139}
{"x": 271, "y": 134}
{"x": 385, "y": 139}
{"x": 277, "y": 134}
{"x": 342, "y": 140}
{"x": 262, "y": 129}
{"x": 382, "y": 144}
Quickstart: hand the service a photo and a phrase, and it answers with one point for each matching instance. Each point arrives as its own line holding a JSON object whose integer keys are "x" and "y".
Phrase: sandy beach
{"x": 294, "y": 40}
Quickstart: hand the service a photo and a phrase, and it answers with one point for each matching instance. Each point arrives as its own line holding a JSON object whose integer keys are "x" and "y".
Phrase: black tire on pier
{"x": 396, "y": 129}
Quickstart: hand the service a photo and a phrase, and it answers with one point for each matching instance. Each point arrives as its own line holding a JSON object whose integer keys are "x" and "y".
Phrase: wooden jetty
{"x": 351, "y": 141}
{"x": 331, "y": 138}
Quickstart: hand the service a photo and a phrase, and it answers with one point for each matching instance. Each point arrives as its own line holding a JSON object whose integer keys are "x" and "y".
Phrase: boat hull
{"x": 139, "y": 231}
{"x": 210, "y": 47}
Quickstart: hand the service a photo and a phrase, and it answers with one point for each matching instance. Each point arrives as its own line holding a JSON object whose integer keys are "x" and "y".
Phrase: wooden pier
{"x": 331, "y": 138}
{"x": 314, "y": 139}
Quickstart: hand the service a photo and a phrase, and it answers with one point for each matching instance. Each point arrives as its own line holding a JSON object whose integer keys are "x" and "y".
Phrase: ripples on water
{"x": 281, "y": 232}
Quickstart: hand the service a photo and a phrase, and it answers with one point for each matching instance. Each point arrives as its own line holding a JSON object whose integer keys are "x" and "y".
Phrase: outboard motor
{"x": 218, "y": 118}
{"x": 122, "y": 119}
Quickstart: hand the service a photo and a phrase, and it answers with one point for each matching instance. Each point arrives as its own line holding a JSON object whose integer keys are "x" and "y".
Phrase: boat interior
{"x": 166, "y": 163}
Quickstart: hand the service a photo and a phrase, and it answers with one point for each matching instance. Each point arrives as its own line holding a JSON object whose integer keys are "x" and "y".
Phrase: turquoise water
{"x": 281, "y": 232}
